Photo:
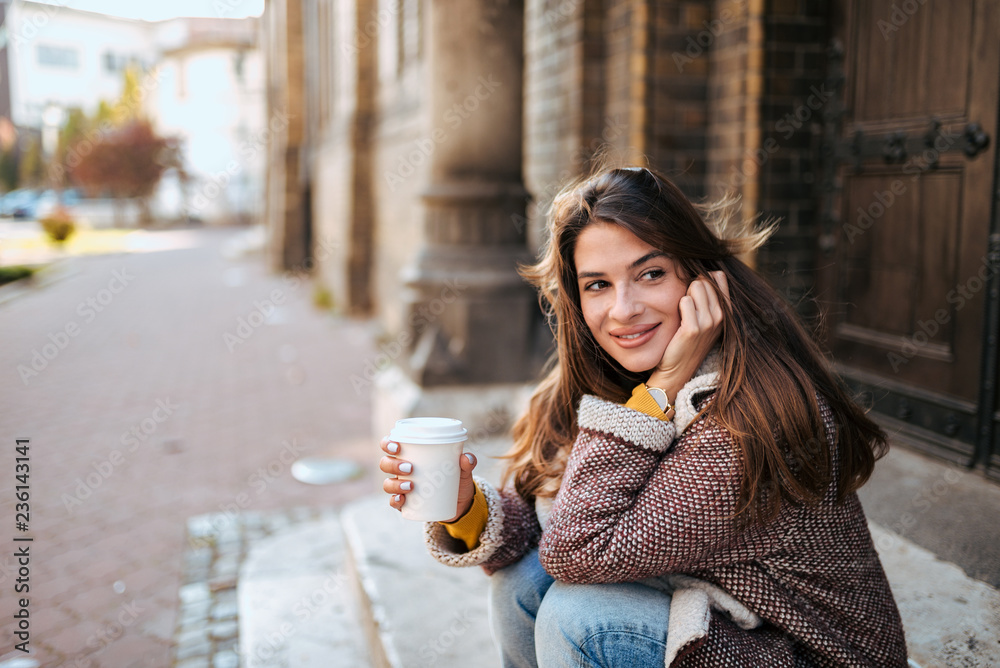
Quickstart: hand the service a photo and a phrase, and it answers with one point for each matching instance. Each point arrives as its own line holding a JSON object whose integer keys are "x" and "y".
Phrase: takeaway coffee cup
{"x": 433, "y": 445}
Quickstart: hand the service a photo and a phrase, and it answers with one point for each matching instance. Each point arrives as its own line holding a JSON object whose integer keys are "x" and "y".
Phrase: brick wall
{"x": 727, "y": 53}
{"x": 703, "y": 89}
{"x": 678, "y": 121}
{"x": 627, "y": 78}
{"x": 624, "y": 67}
{"x": 562, "y": 87}
{"x": 791, "y": 113}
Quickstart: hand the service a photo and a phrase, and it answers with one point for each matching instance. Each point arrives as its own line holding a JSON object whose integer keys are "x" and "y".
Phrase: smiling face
{"x": 629, "y": 294}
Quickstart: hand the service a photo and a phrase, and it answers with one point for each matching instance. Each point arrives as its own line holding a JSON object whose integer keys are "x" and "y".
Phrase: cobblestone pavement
{"x": 156, "y": 387}
{"x": 207, "y": 634}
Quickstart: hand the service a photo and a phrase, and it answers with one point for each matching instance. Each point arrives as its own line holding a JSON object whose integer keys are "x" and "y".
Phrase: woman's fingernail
{"x": 396, "y": 498}
{"x": 468, "y": 455}
{"x": 393, "y": 448}
{"x": 406, "y": 486}
{"x": 405, "y": 467}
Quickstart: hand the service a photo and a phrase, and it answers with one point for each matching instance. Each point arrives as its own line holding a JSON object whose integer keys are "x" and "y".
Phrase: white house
{"x": 204, "y": 82}
{"x": 61, "y": 58}
{"x": 210, "y": 92}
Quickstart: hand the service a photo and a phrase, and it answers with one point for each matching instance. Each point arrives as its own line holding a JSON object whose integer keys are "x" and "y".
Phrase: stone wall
{"x": 284, "y": 205}
{"x": 341, "y": 107}
{"x": 404, "y": 139}
{"x": 713, "y": 92}
{"x": 369, "y": 151}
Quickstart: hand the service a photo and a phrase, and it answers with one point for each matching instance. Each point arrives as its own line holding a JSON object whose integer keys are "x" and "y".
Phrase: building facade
{"x": 867, "y": 128}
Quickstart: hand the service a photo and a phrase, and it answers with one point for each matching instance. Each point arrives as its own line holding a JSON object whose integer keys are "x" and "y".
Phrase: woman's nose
{"x": 626, "y": 306}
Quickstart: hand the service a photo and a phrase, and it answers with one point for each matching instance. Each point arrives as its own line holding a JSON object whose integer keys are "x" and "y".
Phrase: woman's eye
{"x": 595, "y": 285}
{"x": 653, "y": 273}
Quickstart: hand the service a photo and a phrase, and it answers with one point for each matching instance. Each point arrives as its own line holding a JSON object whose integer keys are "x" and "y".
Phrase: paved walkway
{"x": 148, "y": 402}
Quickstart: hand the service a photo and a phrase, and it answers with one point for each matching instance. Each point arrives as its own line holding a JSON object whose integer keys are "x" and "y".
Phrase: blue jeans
{"x": 537, "y": 621}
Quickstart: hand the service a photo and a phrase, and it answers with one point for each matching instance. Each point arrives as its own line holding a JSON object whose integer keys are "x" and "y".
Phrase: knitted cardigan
{"x": 652, "y": 501}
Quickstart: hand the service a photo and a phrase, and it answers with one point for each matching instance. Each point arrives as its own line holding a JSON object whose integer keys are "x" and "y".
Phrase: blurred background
{"x": 239, "y": 238}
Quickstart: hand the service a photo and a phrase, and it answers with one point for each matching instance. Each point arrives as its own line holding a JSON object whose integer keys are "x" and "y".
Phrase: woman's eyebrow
{"x": 589, "y": 274}
{"x": 646, "y": 258}
{"x": 638, "y": 263}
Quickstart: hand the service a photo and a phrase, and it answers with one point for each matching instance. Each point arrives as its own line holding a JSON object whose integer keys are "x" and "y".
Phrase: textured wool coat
{"x": 653, "y": 501}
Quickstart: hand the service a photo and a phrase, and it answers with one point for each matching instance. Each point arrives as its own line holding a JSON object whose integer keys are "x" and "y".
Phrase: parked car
{"x": 19, "y": 203}
{"x": 5, "y": 200}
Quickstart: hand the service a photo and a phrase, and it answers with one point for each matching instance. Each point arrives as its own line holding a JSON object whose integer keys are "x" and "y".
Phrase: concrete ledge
{"x": 296, "y": 603}
{"x": 939, "y": 506}
{"x": 309, "y": 593}
{"x": 950, "y": 619}
{"x": 426, "y": 614}
{"x": 422, "y": 613}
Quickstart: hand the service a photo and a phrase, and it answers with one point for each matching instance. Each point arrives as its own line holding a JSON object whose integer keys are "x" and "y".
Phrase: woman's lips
{"x": 633, "y": 337}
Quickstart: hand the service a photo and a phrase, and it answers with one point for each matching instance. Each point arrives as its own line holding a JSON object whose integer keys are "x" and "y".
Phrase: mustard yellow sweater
{"x": 469, "y": 526}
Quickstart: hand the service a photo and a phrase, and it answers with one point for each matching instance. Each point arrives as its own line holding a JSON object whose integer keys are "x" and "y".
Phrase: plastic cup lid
{"x": 428, "y": 430}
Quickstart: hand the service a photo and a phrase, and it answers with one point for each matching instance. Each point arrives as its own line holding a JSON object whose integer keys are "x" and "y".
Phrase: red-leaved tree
{"x": 125, "y": 162}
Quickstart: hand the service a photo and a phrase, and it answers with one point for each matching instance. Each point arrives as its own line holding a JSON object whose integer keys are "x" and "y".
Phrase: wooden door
{"x": 909, "y": 207}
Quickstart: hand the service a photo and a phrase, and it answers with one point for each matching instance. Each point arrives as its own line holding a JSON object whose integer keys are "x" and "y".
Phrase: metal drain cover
{"x": 324, "y": 471}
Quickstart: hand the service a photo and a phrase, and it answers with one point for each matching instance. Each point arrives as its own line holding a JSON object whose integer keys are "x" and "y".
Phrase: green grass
{"x": 15, "y": 273}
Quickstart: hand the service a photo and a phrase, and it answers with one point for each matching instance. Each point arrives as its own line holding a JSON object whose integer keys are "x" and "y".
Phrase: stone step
{"x": 207, "y": 625}
{"x": 358, "y": 588}
{"x": 361, "y": 591}
{"x": 419, "y": 613}
{"x": 297, "y": 603}
{"x": 422, "y": 613}
{"x": 358, "y": 591}
{"x": 949, "y": 618}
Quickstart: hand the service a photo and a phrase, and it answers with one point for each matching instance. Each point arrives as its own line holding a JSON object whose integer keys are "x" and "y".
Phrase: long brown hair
{"x": 771, "y": 369}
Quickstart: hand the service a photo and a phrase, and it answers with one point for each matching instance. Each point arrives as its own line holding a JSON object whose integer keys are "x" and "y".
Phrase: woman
{"x": 682, "y": 487}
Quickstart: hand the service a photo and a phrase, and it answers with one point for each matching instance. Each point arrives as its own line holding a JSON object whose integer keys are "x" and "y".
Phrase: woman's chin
{"x": 641, "y": 363}
{"x": 638, "y": 366}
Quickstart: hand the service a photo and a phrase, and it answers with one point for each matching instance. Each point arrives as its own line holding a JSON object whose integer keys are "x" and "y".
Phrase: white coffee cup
{"x": 433, "y": 445}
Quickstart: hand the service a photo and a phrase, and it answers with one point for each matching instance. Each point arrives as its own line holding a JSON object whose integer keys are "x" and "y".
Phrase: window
{"x": 55, "y": 56}
{"x": 118, "y": 62}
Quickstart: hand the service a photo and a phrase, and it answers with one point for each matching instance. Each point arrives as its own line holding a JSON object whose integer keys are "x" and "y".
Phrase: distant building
{"x": 210, "y": 92}
{"x": 203, "y": 81}
{"x": 62, "y": 58}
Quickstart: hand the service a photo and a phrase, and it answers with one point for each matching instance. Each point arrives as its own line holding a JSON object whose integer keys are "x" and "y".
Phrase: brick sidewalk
{"x": 148, "y": 413}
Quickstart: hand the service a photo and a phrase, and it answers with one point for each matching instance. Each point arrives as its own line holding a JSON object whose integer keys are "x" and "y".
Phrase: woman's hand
{"x": 701, "y": 325}
{"x": 399, "y": 488}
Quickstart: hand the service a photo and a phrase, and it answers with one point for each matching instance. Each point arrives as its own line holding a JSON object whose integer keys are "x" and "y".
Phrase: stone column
{"x": 284, "y": 207}
{"x": 471, "y": 317}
